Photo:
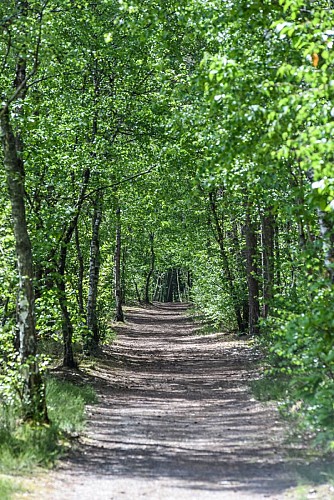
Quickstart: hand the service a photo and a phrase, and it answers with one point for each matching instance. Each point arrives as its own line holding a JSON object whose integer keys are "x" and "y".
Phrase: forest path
{"x": 175, "y": 421}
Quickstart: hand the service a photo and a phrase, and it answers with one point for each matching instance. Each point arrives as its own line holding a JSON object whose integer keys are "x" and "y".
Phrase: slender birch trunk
{"x": 252, "y": 275}
{"x": 94, "y": 271}
{"x": 81, "y": 271}
{"x": 67, "y": 327}
{"x": 119, "y": 315}
{"x": 219, "y": 234}
{"x": 148, "y": 279}
{"x": 327, "y": 234}
{"x": 33, "y": 390}
{"x": 267, "y": 236}
{"x": 33, "y": 395}
{"x": 326, "y": 226}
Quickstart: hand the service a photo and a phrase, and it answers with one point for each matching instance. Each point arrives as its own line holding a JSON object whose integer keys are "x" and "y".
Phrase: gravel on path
{"x": 176, "y": 420}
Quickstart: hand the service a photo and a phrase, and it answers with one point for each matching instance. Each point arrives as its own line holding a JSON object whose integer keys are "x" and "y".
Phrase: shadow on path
{"x": 175, "y": 411}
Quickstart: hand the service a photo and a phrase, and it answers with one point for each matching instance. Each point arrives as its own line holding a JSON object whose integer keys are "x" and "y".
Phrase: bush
{"x": 302, "y": 348}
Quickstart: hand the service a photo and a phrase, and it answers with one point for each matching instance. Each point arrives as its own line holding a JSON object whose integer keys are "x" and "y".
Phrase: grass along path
{"x": 176, "y": 420}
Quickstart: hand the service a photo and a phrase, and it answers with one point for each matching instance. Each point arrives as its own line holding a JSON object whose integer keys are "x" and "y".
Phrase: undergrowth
{"x": 24, "y": 446}
{"x": 66, "y": 404}
{"x": 7, "y": 488}
{"x": 270, "y": 387}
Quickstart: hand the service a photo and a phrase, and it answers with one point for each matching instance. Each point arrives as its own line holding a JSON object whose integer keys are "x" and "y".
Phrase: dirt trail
{"x": 175, "y": 421}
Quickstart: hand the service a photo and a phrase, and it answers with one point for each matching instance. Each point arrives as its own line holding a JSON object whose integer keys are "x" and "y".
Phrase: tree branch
{"x": 116, "y": 184}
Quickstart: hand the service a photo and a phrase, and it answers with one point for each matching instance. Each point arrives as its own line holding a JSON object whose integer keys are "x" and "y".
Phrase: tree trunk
{"x": 81, "y": 271}
{"x": 252, "y": 275}
{"x": 119, "y": 315}
{"x": 123, "y": 274}
{"x": 94, "y": 270}
{"x": 241, "y": 296}
{"x": 67, "y": 327}
{"x": 148, "y": 279}
{"x": 33, "y": 394}
{"x": 169, "y": 282}
{"x": 178, "y": 285}
{"x": 33, "y": 391}
{"x": 267, "y": 234}
{"x": 137, "y": 292}
{"x": 327, "y": 233}
{"x": 157, "y": 288}
{"x": 277, "y": 257}
{"x": 226, "y": 266}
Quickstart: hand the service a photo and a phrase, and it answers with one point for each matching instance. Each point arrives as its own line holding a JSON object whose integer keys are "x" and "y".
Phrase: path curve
{"x": 176, "y": 420}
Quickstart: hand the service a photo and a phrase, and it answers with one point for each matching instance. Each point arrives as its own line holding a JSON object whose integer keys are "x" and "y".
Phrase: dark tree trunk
{"x": 241, "y": 306}
{"x": 252, "y": 275}
{"x": 123, "y": 276}
{"x": 137, "y": 292}
{"x": 67, "y": 327}
{"x": 267, "y": 233}
{"x": 178, "y": 285}
{"x": 169, "y": 289}
{"x": 148, "y": 278}
{"x": 94, "y": 270}
{"x": 81, "y": 271}
{"x": 219, "y": 234}
{"x": 119, "y": 315}
{"x": 277, "y": 257}
{"x": 157, "y": 288}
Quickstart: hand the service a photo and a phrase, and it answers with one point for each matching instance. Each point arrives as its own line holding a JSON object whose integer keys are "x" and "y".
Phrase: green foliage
{"x": 8, "y": 488}
{"x": 66, "y": 404}
{"x": 271, "y": 387}
{"x": 263, "y": 128}
{"x": 232, "y": 100}
{"x": 28, "y": 447}
{"x": 24, "y": 446}
{"x": 210, "y": 293}
{"x": 303, "y": 349}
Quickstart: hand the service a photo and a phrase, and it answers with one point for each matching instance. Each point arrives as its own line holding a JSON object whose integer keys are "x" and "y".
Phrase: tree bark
{"x": 137, "y": 292}
{"x": 252, "y": 275}
{"x": 33, "y": 390}
{"x": 169, "y": 283}
{"x": 67, "y": 327}
{"x": 267, "y": 235}
{"x": 33, "y": 395}
{"x": 94, "y": 271}
{"x": 241, "y": 306}
{"x": 226, "y": 266}
{"x": 178, "y": 285}
{"x": 148, "y": 278}
{"x": 326, "y": 227}
{"x": 157, "y": 288}
{"x": 81, "y": 270}
{"x": 119, "y": 315}
{"x": 327, "y": 233}
{"x": 277, "y": 257}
